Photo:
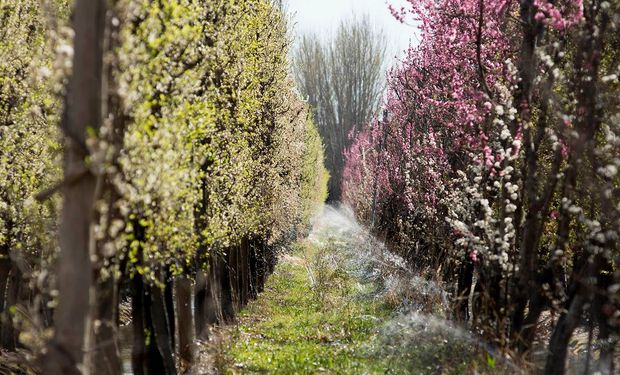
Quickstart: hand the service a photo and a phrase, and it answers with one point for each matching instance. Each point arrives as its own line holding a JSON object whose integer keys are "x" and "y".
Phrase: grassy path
{"x": 338, "y": 303}
{"x": 311, "y": 318}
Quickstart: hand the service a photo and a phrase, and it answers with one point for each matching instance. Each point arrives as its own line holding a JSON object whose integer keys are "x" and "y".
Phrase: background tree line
{"x": 188, "y": 161}
{"x": 342, "y": 78}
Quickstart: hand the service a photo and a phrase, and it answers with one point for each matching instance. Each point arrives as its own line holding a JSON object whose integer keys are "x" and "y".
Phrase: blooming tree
{"x": 498, "y": 161}
{"x": 189, "y": 159}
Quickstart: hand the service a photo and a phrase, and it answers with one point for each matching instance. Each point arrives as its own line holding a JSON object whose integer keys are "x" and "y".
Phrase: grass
{"x": 308, "y": 320}
{"x": 316, "y": 317}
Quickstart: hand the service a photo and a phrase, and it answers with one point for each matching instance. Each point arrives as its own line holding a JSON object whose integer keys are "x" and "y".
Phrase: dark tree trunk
{"x": 202, "y": 290}
{"x": 530, "y": 323}
{"x": 213, "y": 300}
{"x": 271, "y": 260}
{"x": 208, "y": 297}
{"x": 154, "y": 362}
{"x": 538, "y": 302}
{"x": 464, "y": 289}
{"x": 138, "y": 351}
{"x": 261, "y": 266}
{"x": 558, "y": 345}
{"x": 183, "y": 294}
{"x": 605, "y": 364}
{"x": 200, "y": 301}
{"x": 253, "y": 269}
{"x": 8, "y": 338}
{"x": 103, "y": 341}
{"x": 570, "y": 317}
{"x": 105, "y": 358}
{"x": 161, "y": 351}
{"x": 244, "y": 272}
{"x": 169, "y": 304}
{"x": 233, "y": 269}
{"x": 227, "y": 299}
{"x": 5, "y": 274}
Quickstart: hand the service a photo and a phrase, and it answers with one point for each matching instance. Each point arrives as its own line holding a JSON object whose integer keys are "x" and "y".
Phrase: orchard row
{"x": 145, "y": 147}
{"x": 495, "y": 168}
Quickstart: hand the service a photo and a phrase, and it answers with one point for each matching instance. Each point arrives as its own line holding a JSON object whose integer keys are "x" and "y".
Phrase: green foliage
{"x": 29, "y": 113}
{"x": 216, "y": 138}
{"x": 314, "y": 176}
{"x": 491, "y": 361}
{"x": 213, "y": 146}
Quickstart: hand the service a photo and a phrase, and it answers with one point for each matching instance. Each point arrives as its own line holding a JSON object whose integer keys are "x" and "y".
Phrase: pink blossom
{"x": 564, "y": 150}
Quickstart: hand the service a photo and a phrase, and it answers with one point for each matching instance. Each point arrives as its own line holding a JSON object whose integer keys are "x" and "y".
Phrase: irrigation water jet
{"x": 419, "y": 335}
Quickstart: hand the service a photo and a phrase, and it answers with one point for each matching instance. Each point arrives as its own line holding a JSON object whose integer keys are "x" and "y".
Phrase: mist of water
{"x": 419, "y": 336}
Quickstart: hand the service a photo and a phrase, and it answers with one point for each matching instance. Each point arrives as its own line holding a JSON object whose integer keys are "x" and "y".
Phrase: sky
{"x": 322, "y": 16}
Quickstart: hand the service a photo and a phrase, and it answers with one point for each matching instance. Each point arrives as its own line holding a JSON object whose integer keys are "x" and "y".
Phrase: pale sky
{"x": 323, "y": 16}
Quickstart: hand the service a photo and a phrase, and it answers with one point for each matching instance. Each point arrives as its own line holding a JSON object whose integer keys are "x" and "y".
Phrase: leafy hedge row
{"x": 204, "y": 160}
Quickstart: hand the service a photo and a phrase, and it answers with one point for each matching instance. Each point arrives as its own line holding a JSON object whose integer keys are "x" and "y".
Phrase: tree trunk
{"x": 271, "y": 258}
{"x": 538, "y": 303}
{"x": 605, "y": 363}
{"x": 5, "y": 274}
{"x": 233, "y": 269}
{"x": 82, "y": 110}
{"x": 200, "y": 296}
{"x": 558, "y": 345}
{"x": 169, "y": 305}
{"x": 253, "y": 269}
{"x": 208, "y": 297}
{"x": 262, "y": 266}
{"x": 162, "y": 352}
{"x": 183, "y": 294}
{"x": 152, "y": 351}
{"x": 154, "y": 362}
{"x": 138, "y": 350}
{"x": 104, "y": 357}
{"x": 464, "y": 289}
{"x": 102, "y": 341}
{"x": 244, "y": 272}
{"x": 8, "y": 338}
{"x": 225, "y": 283}
{"x": 213, "y": 298}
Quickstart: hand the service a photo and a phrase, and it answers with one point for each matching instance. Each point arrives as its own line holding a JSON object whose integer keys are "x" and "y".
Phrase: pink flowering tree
{"x": 497, "y": 162}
